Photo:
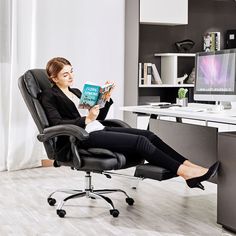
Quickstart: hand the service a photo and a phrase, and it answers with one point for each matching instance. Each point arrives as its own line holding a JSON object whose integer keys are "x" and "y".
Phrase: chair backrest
{"x": 31, "y": 84}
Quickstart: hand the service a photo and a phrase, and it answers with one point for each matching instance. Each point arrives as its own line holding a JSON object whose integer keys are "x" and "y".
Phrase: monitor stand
{"x": 220, "y": 105}
{"x": 225, "y": 105}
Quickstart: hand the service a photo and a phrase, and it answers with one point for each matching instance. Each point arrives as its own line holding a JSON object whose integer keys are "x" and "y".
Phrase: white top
{"x": 92, "y": 126}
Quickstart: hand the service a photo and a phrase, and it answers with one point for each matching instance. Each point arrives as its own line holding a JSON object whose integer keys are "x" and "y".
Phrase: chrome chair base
{"x": 88, "y": 192}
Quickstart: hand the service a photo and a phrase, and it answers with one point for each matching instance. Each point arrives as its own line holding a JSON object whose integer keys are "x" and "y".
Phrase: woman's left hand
{"x": 108, "y": 96}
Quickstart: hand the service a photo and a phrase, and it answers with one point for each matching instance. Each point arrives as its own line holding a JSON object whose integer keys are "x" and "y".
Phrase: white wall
{"x": 90, "y": 33}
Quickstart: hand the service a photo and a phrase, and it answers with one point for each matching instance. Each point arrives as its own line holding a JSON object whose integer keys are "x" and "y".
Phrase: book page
{"x": 104, "y": 94}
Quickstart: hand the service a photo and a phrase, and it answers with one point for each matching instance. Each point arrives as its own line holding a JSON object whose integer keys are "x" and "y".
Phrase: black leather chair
{"x": 31, "y": 84}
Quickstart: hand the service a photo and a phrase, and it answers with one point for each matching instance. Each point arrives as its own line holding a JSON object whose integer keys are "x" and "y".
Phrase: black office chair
{"x": 31, "y": 84}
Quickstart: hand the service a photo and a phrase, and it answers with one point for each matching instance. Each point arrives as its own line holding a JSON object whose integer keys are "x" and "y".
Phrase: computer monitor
{"x": 215, "y": 76}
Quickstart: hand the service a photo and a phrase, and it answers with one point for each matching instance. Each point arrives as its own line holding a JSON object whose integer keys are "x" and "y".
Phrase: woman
{"x": 61, "y": 107}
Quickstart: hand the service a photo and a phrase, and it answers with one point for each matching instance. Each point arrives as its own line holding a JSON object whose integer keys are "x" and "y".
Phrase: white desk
{"x": 202, "y": 145}
{"x": 225, "y": 116}
{"x": 196, "y": 142}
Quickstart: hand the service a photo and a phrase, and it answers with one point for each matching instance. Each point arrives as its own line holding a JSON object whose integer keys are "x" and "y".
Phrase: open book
{"x": 94, "y": 95}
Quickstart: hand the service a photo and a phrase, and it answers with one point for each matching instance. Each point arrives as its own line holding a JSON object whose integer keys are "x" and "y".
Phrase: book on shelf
{"x": 94, "y": 95}
{"x": 211, "y": 42}
{"x": 145, "y": 73}
{"x": 140, "y": 74}
{"x": 148, "y": 74}
{"x": 156, "y": 75}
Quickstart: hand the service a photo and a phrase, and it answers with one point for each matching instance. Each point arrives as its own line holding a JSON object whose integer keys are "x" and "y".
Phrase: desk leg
{"x": 154, "y": 117}
{"x": 226, "y": 194}
{"x": 179, "y": 119}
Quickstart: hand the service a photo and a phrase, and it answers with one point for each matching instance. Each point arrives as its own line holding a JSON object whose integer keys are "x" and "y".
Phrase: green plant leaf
{"x": 182, "y": 92}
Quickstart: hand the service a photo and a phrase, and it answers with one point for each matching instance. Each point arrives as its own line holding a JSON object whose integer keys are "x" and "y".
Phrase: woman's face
{"x": 64, "y": 78}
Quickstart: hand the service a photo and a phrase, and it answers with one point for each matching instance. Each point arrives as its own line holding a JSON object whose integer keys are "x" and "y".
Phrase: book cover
{"x": 156, "y": 75}
{"x": 104, "y": 94}
{"x": 149, "y": 73}
{"x": 145, "y": 73}
{"x": 207, "y": 42}
{"x": 211, "y": 42}
{"x": 217, "y": 41}
{"x": 140, "y": 74}
{"x": 94, "y": 95}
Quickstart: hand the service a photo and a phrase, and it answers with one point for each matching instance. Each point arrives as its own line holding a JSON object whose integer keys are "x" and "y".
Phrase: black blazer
{"x": 61, "y": 110}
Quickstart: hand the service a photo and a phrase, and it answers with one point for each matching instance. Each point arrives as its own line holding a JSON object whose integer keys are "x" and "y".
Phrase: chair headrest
{"x": 36, "y": 81}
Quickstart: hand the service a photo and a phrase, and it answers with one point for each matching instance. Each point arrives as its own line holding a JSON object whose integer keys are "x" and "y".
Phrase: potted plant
{"x": 182, "y": 99}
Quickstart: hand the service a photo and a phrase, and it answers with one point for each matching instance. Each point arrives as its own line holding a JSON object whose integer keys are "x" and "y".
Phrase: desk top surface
{"x": 209, "y": 114}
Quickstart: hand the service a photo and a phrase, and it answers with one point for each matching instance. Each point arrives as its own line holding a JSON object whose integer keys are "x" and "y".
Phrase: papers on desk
{"x": 188, "y": 109}
{"x": 176, "y": 107}
{"x": 159, "y": 103}
{"x": 163, "y": 105}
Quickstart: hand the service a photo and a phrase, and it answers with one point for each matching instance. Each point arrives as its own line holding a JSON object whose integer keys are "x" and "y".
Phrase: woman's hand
{"x": 93, "y": 114}
{"x": 108, "y": 95}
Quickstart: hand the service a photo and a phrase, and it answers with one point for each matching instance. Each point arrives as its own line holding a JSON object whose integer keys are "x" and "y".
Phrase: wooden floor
{"x": 166, "y": 208}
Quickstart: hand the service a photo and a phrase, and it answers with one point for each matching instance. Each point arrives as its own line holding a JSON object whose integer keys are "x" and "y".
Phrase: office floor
{"x": 166, "y": 208}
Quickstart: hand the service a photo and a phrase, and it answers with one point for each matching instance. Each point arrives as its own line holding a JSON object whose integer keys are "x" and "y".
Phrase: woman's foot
{"x": 190, "y": 172}
{"x": 195, "y": 182}
{"x": 190, "y": 164}
{"x": 194, "y": 176}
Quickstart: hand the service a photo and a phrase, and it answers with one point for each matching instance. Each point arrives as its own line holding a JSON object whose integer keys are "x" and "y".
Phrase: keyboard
{"x": 187, "y": 109}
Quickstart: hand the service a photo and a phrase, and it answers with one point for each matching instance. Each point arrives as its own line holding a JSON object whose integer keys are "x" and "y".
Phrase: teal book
{"x": 94, "y": 95}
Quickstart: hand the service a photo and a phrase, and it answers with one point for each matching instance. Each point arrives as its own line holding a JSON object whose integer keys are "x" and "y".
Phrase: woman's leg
{"x": 132, "y": 143}
{"x": 155, "y": 140}
{"x": 160, "y": 145}
{"x": 140, "y": 145}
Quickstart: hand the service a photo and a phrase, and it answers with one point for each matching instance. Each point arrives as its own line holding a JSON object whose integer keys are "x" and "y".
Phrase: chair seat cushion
{"x": 153, "y": 172}
{"x": 98, "y": 160}
{"x": 93, "y": 164}
{"x": 98, "y": 164}
{"x": 102, "y": 158}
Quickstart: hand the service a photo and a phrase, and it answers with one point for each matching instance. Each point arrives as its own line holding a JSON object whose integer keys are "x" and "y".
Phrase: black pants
{"x": 137, "y": 142}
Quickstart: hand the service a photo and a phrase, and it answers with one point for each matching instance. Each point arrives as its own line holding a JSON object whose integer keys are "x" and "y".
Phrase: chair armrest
{"x": 115, "y": 123}
{"x": 60, "y": 130}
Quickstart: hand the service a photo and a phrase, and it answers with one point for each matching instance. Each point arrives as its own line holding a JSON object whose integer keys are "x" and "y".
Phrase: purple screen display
{"x": 216, "y": 73}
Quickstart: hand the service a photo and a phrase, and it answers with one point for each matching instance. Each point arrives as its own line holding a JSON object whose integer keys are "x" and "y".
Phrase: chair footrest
{"x": 153, "y": 172}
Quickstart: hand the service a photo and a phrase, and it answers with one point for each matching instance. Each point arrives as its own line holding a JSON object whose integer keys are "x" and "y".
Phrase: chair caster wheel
{"x": 61, "y": 213}
{"x": 114, "y": 212}
{"x": 51, "y": 201}
{"x": 130, "y": 201}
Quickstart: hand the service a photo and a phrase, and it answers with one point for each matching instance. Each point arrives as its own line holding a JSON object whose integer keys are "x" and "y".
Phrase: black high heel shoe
{"x": 196, "y": 182}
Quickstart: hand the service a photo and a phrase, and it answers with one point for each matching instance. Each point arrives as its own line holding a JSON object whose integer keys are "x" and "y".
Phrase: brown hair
{"x": 55, "y": 65}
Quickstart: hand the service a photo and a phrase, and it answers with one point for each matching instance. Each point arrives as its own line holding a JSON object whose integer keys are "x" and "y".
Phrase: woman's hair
{"x": 54, "y": 66}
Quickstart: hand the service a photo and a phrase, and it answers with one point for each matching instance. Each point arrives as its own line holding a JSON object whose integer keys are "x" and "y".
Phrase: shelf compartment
{"x": 169, "y": 66}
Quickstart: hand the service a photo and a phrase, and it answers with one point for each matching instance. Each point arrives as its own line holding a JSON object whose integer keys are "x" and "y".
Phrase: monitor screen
{"x": 215, "y": 76}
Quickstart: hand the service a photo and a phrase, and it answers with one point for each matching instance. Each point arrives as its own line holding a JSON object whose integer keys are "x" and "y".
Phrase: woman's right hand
{"x": 93, "y": 114}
